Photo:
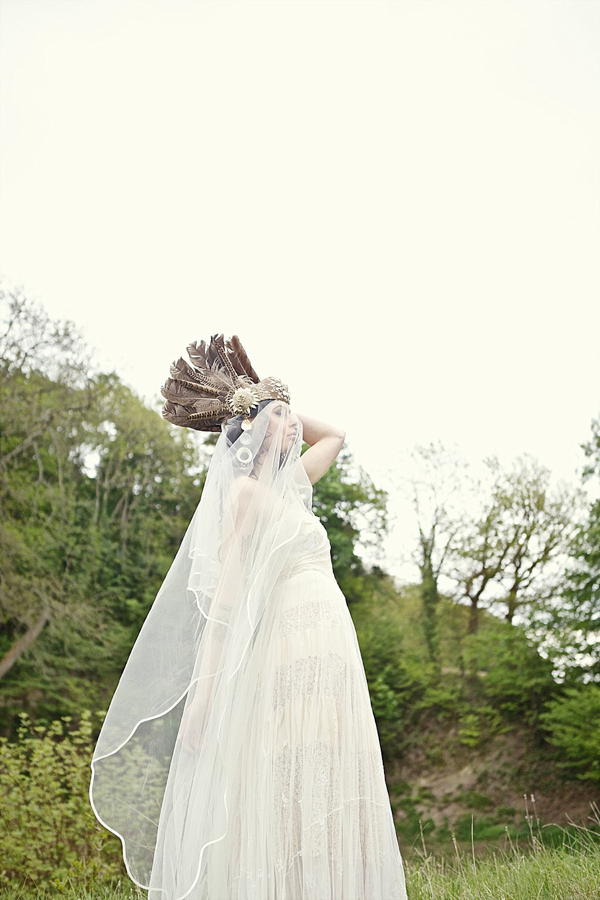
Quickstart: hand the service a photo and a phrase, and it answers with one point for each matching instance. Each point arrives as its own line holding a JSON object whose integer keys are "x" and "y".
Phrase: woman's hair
{"x": 233, "y": 427}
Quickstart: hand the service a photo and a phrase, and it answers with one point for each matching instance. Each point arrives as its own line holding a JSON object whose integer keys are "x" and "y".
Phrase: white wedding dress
{"x": 283, "y": 797}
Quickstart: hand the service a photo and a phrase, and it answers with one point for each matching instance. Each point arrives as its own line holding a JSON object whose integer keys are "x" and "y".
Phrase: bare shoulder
{"x": 243, "y": 489}
{"x": 248, "y": 494}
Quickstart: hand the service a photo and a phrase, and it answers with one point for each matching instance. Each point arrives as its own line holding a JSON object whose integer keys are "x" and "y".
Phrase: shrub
{"x": 513, "y": 676}
{"x": 48, "y": 829}
{"x": 478, "y": 725}
{"x": 573, "y": 726}
{"x": 475, "y": 800}
{"x": 388, "y": 715}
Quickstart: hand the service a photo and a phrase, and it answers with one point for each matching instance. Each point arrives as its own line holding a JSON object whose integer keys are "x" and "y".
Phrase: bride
{"x": 239, "y": 758}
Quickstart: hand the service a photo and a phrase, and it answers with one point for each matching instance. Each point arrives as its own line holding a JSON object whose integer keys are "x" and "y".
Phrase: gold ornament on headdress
{"x": 219, "y": 384}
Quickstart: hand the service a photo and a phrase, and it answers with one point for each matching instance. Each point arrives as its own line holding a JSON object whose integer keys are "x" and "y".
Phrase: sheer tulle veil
{"x": 176, "y": 719}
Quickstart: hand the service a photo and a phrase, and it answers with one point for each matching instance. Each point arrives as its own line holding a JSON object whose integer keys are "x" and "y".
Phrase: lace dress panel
{"x": 311, "y": 614}
{"x": 308, "y": 788}
{"x": 310, "y": 675}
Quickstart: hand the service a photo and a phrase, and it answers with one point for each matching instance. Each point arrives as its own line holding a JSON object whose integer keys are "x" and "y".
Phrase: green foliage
{"x": 575, "y": 622}
{"x": 388, "y": 712}
{"x": 573, "y": 725}
{"x": 430, "y": 598}
{"x": 353, "y": 512}
{"x": 478, "y": 725}
{"x": 91, "y": 548}
{"x": 398, "y": 671}
{"x": 482, "y": 828}
{"x": 510, "y": 674}
{"x": 476, "y": 800}
{"x": 96, "y": 491}
{"x": 48, "y": 831}
{"x": 485, "y": 682}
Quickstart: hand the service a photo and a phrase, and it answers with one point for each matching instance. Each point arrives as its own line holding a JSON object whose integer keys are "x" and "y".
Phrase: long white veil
{"x": 176, "y": 725}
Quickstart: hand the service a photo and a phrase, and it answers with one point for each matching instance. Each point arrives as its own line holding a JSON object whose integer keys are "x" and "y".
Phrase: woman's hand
{"x": 325, "y": 442}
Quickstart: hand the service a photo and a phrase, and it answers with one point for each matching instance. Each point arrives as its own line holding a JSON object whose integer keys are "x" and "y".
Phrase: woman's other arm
{"x": 325, "y": 442}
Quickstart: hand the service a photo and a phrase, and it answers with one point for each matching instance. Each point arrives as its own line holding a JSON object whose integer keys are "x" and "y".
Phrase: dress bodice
{"x": 310, "y": 546}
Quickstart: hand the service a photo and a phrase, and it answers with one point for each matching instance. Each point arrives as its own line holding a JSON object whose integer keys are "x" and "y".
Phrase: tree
{"x": 44, "y": 389}
{"x": 541, "y": 525}
{"x": 96, "y": 491}
{"x": 512, "y": 555}
{"x": 435, "y": 489}
{"x": 499, "y": 538}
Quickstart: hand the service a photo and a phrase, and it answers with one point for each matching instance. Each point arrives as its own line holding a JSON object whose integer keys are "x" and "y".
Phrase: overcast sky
{"x": 394, "y": 204}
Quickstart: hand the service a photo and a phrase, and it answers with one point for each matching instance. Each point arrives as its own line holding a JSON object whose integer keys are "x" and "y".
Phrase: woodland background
{"x": 486, "y": 693}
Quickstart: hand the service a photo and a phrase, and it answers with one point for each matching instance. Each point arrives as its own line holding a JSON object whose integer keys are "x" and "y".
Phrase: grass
{"x": 534, "y": 871}
{"x": 541, "y": 869}
{"x": 565, "y": 873}
{"x": 551, "y": 875}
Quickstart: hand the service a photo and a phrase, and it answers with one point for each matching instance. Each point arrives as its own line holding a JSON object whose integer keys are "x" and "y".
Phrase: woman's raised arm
{"x": 325, "y": 442}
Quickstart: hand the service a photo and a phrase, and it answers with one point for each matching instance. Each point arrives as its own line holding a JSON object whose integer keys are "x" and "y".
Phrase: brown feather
{"x": 191, "y": 418}
{"x": 198, "y": 355}
{"x": 181, "y": 367}
{"x": 219, "y": 342}
{"x": 204, "y": 381}
{"x": 240, "y": 361}
{"x": 179, "y": 392}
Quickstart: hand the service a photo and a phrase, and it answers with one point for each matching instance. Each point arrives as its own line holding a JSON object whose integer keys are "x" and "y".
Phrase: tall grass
{"x": 533, "y": 871}
{"x": 550, "y": 875}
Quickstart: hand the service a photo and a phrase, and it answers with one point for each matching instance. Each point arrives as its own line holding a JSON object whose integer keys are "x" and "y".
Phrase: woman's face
{"x": 283, "y": 420}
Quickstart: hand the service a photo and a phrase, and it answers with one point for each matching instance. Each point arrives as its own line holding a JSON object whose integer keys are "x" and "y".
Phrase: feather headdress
{"x": 220, "y": 383}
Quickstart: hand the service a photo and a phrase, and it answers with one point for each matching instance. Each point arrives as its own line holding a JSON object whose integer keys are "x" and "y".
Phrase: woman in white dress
{"x": 239, "y": 758}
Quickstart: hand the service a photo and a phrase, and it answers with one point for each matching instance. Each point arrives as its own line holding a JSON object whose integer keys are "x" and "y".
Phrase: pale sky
{"x": 394, "y": 204}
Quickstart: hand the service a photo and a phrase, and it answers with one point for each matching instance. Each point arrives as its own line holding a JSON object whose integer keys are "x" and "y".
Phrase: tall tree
{"x": 96, "y": 491}
{"x": 436, "y": 490}
{"x": 511, "y": 558}
{"x": 44, "y": 393}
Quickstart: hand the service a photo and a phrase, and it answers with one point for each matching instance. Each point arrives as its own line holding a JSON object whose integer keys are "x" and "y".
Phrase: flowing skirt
{"x": 293, "y": 805}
